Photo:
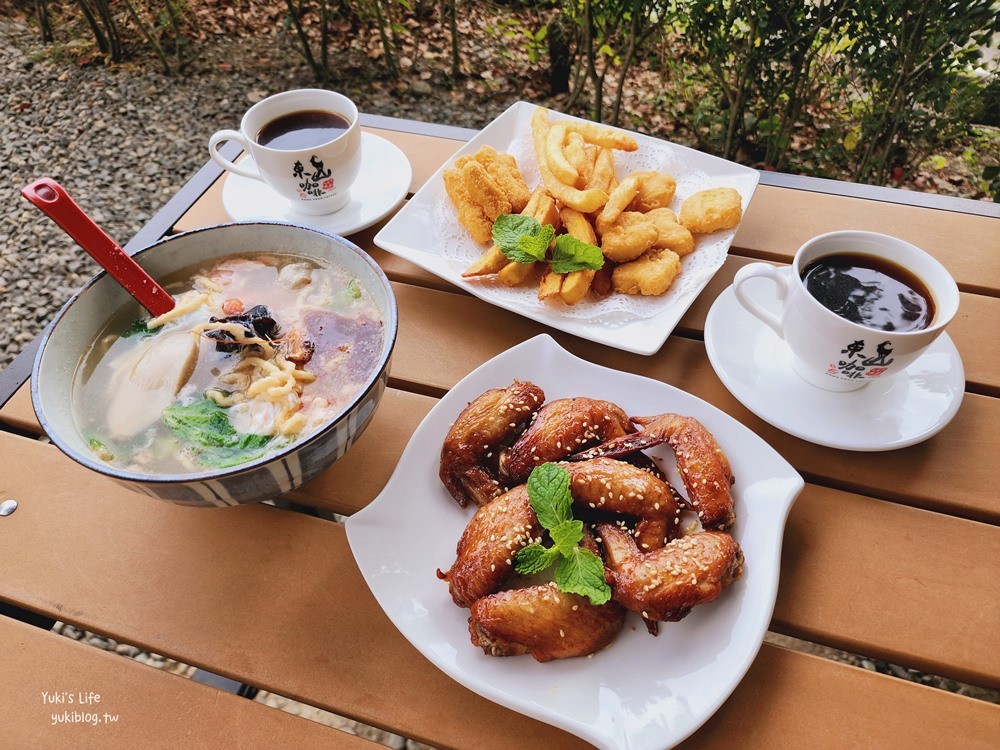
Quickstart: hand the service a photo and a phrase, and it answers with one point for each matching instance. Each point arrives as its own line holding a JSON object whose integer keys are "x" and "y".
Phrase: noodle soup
{"x": 260, "y": 351}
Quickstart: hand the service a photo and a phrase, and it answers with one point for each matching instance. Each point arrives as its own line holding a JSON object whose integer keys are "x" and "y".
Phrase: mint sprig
{"x": 578, "y": 570}
{"x": 523, "y": 240}
{"x": 571, "y": 254}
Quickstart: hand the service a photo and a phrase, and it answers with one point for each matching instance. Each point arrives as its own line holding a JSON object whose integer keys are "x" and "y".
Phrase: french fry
{"x": 546, "y": 212}
{"x": 601, "y": 285}
{"x": 601, "y": 135}
{"x": 582, "y": 200}
{"x": 575, "y": 285}
{"x": 604, "y": 169}
{"x": 617, "y": 202}
{"x": 514, "y": 273}
{"x": 575, "y": 151}
{"x": 551, "y": 285}
{"x": 561, "y": 167}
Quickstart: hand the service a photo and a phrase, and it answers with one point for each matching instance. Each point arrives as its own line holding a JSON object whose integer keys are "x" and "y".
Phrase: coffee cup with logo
{"x": 854, "y": 306}
{"x": 305, "y": 144}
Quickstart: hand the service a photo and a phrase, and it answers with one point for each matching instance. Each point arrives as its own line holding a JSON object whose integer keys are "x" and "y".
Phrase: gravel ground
{"x": 122, "y": 141}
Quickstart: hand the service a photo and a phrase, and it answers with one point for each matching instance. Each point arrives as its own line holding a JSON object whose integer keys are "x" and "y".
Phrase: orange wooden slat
{"x": 845, "y": 556}
{"x": 790, "y": 701}
{"x": 135, "y": 705}
{"x": 211, "y": 587}
{"x": 780, "y": 220}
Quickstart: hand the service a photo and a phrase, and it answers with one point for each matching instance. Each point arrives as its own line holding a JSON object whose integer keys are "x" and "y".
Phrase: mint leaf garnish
{"x": 509, "y": 228}
{"x": 523, "y": 240}
{"x": 571, "y": 254}
{"x": 578, "y": 570}
{"x": 534, "y": 559}
{"x": 548, "y": 491}
{"x": 582, "y": 572}
{"x": 566, "y": 536}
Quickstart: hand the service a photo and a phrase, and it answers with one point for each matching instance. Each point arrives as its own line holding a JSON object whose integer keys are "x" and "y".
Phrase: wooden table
{"x": 888, "y": 555}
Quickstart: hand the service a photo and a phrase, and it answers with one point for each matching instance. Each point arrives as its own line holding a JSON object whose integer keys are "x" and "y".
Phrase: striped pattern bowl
{"x": 77, "y": 323}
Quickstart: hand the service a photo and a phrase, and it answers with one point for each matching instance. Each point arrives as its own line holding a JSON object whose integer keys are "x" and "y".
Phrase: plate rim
{"x": 545, "y": 343}
{"x": 656, "y": 328}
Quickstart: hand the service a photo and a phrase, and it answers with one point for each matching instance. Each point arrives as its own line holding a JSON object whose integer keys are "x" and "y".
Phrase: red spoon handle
{"x": 50, "y": 197}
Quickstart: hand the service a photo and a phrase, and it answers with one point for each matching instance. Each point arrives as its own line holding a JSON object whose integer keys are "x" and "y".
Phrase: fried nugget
{"x": 656, "y": 190}
{"x": 602, "y": 135}
{"x": 629, "y": 237}
{"x": 484, "y": 190}
{"x": 503, "y": 169}
{"x": 652, "y": 274}
{"x": 672, "y": 235}
{"x": 711, "y": 210}
{"x": 470, "y": 213}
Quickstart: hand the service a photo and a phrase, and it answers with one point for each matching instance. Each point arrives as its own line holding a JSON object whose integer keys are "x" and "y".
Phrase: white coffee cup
{"x": 316, "y": 180}
{"x": 832, "y": 352}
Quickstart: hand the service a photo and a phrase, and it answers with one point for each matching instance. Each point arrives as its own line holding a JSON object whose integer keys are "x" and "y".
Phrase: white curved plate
{"x": 640, "y": 693}
{"x": 755, "y": 365}
{"x": 411, "y": 234}
{"x": 381, "y": 185}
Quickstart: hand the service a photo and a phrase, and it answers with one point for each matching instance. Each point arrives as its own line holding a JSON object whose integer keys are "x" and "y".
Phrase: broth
{"x": 260, "y": 351}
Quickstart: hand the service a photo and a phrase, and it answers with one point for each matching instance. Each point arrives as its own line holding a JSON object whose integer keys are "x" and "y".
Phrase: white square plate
{"x": 426, "y": 232}
{"x": 641, "y": 692}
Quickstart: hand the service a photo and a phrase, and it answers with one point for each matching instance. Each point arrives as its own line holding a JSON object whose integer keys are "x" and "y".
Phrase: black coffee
{"x": 870, "y": 291}
{"x": 305, "y": 129}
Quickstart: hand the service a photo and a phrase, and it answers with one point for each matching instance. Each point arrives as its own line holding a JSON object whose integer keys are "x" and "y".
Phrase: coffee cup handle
{"x": 762, "y": 270}
{"x": 213, "y": 150}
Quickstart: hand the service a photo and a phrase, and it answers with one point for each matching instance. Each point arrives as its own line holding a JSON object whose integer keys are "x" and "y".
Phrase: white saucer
{"x": 380, "y": 187}
{"x": 754, "y": 364}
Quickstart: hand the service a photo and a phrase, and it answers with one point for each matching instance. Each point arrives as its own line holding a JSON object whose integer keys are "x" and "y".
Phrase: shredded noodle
{"x": 186, "y": 303}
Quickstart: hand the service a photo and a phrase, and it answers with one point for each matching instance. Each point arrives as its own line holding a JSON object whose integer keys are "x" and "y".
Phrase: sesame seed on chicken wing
{"x": 486, "y": 550}
{"x": 543, "y": 621}
{"x": 560, "y": 428}
{"x": 702, "y": 463}
{"x": 668, "y": 583}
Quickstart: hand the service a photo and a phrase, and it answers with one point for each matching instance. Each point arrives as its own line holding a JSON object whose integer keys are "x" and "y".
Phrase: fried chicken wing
{"x": 480, "y": 429}
{"x": 668, "y": 583}
{"x": 618, "y": 487}
{"x": 560, "y": 428}
{"x": 485, "y": 552}
{"x": 543, "y": 621}
{"x": 703, "y": 465}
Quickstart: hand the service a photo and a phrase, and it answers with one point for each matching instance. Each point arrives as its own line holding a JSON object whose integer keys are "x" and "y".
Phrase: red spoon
{"x": 49, "y": 196}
